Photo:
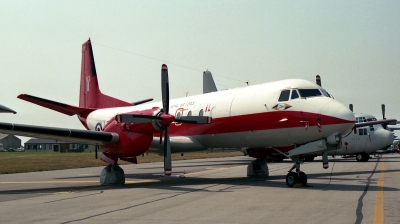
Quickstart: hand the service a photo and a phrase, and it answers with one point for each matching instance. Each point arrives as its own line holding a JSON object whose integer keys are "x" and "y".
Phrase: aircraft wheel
{"x": 362, "y": 157}
{"x": 359, "y": 157}
{"x": 291, "y": 179}
{"x": 303, "y": 178}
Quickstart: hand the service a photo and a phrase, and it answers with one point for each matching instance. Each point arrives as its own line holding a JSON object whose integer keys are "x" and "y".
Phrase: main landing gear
{"x": 298, "y": 177}
{"x": 258, "y": 168}
{"x": 112, "y": 174}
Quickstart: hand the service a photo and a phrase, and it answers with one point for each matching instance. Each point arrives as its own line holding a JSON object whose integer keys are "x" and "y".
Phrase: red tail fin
{"x": 90, "y": 95}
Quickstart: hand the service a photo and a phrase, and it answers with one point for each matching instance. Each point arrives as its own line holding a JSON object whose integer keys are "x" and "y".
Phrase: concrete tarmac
{"x": 208, "y": 191}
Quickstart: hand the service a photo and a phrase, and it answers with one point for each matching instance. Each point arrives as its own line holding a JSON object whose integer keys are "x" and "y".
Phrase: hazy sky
{"x": 353, "y": 45}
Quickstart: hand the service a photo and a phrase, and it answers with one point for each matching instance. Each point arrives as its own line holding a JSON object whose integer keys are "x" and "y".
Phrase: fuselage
{"x": 254, "y": 116}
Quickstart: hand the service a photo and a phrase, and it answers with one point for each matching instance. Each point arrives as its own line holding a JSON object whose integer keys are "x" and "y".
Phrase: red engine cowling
{"x": 134, "y": 138}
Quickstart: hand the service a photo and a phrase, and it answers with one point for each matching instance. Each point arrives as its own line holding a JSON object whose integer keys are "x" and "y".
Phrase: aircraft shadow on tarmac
{"x": 188, "y": 184}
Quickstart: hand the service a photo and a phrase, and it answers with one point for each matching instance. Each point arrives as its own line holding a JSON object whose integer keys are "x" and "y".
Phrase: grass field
{"x": 20, "y": 162}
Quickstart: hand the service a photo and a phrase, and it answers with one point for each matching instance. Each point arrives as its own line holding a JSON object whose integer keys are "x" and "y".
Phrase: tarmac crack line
{"x": 360, "y": 205}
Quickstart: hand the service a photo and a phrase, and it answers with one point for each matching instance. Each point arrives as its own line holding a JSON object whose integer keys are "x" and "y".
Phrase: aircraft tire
{"x": 303, "y": 178}
{"x": 362, "y": 157}
{"x": 291, "y": 179}
{"x": 359, "y": 157}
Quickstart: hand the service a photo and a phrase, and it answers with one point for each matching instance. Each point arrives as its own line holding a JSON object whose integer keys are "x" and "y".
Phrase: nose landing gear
{"x": 296, "y": 178}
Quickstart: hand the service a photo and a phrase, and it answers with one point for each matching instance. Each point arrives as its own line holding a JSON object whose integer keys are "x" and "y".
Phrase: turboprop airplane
{"x": 291, "y": 116}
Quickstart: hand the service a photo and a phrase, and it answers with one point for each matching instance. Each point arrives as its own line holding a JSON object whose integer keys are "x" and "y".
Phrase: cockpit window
{"x": 295, "y": 95}
{"x": 371, "y": 119}
{"x": 325, "y": 93}
{"x": 284, "y": 95}
{"x": 305, "y": 93}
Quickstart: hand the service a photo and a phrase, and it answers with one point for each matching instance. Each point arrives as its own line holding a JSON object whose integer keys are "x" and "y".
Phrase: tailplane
{"x": 90, "y": 95}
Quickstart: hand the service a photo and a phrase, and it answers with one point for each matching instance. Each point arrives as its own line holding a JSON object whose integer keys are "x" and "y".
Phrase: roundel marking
{"x": 98, "y": 127}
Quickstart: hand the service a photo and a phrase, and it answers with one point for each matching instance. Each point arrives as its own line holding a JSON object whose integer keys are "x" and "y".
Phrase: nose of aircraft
{"x": 384, "y": 137}
{"x": 342, "y": 115}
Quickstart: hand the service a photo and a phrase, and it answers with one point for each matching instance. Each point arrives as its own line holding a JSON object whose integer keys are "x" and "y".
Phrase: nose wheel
{"x": 298, "y": 177}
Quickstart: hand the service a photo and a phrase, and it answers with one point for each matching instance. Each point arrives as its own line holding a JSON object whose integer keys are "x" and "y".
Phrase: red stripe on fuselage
{"x": 255, "y": 122}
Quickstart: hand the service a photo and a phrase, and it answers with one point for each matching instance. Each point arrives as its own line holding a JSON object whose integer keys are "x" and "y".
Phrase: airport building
{"x": 9, "y": 142}
{"x": 37, "y": 144}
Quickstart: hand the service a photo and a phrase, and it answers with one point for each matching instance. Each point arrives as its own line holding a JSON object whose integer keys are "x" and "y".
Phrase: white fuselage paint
{"x": 246, "y": 101}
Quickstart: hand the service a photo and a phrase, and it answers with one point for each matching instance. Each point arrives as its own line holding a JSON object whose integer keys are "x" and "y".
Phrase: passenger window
{"x": 178, "y": 115}
{"x": 371, "y": 128}
{"x": 284, "y": 95}
{"x": 201, "y": 112}
{"x": 189, "y": 114}
{"x": 295, "y": 95}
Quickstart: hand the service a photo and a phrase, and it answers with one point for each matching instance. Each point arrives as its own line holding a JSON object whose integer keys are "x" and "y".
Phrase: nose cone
{"x": 339, "y": 115}
{"x": 383, "y": 138}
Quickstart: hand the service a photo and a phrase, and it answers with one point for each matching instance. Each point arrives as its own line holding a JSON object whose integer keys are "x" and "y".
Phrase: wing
{"x": 61, "y": 134}
{"x": 383, "y": 121}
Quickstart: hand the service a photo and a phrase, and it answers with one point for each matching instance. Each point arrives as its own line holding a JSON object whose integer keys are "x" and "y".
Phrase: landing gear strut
{"x": 293, "y": 178}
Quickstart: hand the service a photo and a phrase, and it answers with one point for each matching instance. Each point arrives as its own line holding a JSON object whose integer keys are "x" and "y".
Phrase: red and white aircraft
{"x": 293, "y": 117}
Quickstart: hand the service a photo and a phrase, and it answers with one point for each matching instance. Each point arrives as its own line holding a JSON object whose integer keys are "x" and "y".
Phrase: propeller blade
{"x": 194, "y": 120}
{"x": 96, "y": 150}
{"x": 383, "y": 111}
{"x": 165, "y": 88}
{"x": 136, "y": 118}
{"x": 142, "y": 101}
{"x": 351, "y": 107}
{"x": 4, "y": 109}
{"x": 167, "y": 154}
{"x": 318, "y": 80}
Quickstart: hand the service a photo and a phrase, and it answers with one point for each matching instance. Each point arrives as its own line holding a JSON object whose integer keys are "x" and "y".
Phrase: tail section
{"x": 90, "y": 95}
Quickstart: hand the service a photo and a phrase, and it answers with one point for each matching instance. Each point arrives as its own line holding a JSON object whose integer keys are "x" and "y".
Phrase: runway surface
{"x": 208, "y": 191}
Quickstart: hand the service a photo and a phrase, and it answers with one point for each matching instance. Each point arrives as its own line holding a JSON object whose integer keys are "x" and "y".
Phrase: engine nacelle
{"x": 130, "y": 143}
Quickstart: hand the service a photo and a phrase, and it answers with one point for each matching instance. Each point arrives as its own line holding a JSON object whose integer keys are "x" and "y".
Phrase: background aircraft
{"x": 293, "y": 117}
{"x": 363, "y": 141}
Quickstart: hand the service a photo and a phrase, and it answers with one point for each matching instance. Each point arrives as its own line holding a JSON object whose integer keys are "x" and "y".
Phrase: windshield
{"x": 309, "y": 92}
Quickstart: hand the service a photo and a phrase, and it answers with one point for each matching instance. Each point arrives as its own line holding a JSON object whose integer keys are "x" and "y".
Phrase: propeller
{"x": 383, "y": 111}
{"x": 164, "y": 119}
{"x": 351, "y": 107}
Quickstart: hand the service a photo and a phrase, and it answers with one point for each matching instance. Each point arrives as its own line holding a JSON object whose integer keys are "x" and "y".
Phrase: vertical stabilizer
{"x": 90, "y": 95}
{"x": 208, "y": 83}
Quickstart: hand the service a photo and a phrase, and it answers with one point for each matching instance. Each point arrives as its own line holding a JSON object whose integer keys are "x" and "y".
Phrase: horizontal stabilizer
{"x": 53, "y": 105}
{"x": 369, "y": 123}
{"x": 61, "y": 134}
